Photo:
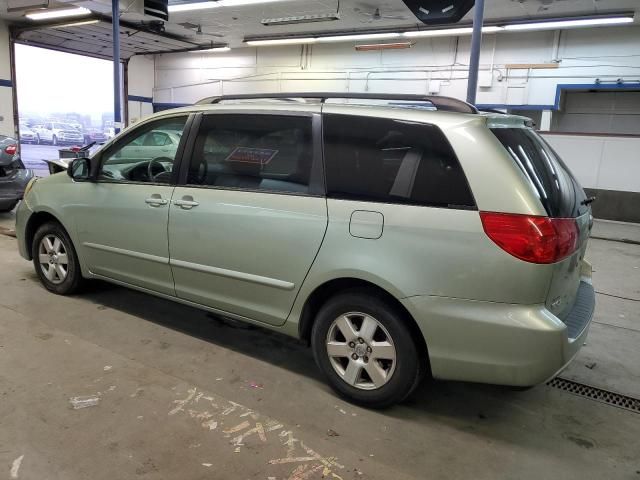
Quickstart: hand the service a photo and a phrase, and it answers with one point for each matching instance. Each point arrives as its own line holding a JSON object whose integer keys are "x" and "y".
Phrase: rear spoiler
{"x": 501, "y": 120}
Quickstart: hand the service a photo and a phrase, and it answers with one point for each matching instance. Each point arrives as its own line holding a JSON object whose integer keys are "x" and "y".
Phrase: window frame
{"x": 473, "y": 207}
{"x": 316, "y": 176}
{"x": 129, "y": 136}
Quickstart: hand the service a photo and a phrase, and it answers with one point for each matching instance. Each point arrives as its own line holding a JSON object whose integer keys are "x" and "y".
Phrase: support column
{"x": 476, "y": 42}
{"x": 117, "y": 101}
{"x": 7, "y": 113}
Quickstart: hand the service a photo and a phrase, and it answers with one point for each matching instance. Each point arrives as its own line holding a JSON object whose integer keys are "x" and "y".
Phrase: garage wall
{"x": 6, "y": 91}
{"x": 608, "y": 167}
{"x": 141, "y": 81}
{"x": 436, "y": 65}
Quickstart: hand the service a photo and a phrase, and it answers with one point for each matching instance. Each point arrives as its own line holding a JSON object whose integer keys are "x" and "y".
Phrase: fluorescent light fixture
{"x": 446, "y": 32}
{"x": 214, "y": 49}
{"x": 76, "y": 24}
{"x": 281, "y": 41}
{"x": 58, "y": 13}
{"x": 366, "y": 36}
{"x": 188, "y": 7}
{"x": 321, "y": 17}
{"x": 384, "y": 46}
{"x": 581, "y": 22}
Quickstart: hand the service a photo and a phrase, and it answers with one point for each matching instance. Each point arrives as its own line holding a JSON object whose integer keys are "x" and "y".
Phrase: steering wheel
{"x": 156, "y": 168}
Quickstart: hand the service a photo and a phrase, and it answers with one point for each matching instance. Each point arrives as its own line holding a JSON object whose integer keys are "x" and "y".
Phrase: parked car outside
{"x": 14, "y": 177}
{"x": 56, "y": 133}
{"x": 26, "y": 135}
{"x": 398, "y": 242}
{"x": 94, "y": 135}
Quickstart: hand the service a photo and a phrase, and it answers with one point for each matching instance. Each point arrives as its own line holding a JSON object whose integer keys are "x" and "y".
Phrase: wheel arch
{"x": 35, "y": 221}
{"x": 326, "y": 290}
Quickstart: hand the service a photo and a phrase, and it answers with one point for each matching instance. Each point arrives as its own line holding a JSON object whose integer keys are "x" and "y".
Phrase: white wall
{"x": 584, "y": 54}
{"x": 141, "y": 80}
{"x": 602, "y": 162}
{"x": 6, "y": 93}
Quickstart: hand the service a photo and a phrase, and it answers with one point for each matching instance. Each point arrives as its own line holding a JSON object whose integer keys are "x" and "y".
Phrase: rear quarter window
{"x": 392, "y": 161}
{"x": 558, "y": 190}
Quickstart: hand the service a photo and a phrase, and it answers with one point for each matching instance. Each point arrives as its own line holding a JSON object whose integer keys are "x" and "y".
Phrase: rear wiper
{"x": 587, "y": 201}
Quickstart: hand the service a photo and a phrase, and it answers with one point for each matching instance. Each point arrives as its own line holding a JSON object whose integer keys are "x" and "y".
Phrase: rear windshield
{"x": 559, "y": 191}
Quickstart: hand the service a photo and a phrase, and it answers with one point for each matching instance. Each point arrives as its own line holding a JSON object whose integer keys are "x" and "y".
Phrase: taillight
{"x": 11, "y": 149}
{"x": 532, "y": 238}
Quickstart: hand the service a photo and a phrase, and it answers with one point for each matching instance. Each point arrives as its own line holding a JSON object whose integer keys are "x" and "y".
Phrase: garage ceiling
{"x": 229, "y": 25}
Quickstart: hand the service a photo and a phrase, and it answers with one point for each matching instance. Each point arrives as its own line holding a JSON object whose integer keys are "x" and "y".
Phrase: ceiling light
{"x": 322, "y": 17}
{"x": 346, "y": 38}
{"x": 187, "y": 7}
{"x": 384, "y": 46}
{"x": 57, "y": 13}
{"x": 76, "y": 24}
{"x": 214, "y": 49}
{"x": 281, "y": 41}
{"x": 582, "y": 22}
{"x": 445, "y": 32}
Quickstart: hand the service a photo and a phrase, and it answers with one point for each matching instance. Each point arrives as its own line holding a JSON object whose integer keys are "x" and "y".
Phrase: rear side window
{"x": 253, "y": 152}
{"x": 559, "y": 192}
{"x": 392, "y": 161}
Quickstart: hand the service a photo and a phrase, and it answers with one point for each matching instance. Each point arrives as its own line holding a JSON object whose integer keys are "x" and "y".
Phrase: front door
{"x": 122, "y": 224}
{"x": 248, "y": 223}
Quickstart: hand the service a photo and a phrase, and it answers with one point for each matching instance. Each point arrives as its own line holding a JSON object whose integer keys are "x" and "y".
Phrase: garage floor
{"x": 181, "y": 395}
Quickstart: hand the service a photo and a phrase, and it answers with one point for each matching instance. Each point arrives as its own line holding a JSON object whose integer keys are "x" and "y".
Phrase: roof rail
{"x": 440, "y": 103}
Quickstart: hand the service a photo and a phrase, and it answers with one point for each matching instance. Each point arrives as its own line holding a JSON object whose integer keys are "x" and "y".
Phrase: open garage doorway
{"x": 64, "y": 100}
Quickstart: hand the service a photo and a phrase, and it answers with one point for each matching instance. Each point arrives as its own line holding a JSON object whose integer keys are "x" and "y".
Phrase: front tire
{"x": 363, "y": 345}
{"x": 55, "y": 259}
{"x": 54, "y": 140}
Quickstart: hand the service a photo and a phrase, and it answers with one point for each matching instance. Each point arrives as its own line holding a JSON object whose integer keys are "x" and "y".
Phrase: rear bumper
{"x": 12, "y": 188}
{"x": 497, "y": 343}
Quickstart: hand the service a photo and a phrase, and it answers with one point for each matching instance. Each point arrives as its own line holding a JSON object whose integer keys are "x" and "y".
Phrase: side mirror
{"x": 80, "y": 169}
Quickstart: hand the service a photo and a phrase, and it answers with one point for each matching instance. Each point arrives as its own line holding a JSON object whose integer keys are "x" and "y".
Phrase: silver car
{"x": 400, "y": 238}
{"x": 14, "y": 177}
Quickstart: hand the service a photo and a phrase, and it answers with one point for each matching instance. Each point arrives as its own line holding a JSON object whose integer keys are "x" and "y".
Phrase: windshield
{"x": 64, "y": 126}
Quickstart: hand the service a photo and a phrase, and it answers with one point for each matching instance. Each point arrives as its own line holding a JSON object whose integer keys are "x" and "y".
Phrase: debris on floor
{"x": 255, "y": 385}
{"x": 590, "y": 365}
{"x": 15, "y": 467}
{"x": 107, "y": 368}
{"x": 84, "y": 402}
{"x": 332, "y": 433}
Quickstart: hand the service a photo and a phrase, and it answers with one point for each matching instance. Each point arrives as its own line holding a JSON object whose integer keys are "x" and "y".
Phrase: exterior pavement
{"x": 183, "y": 395}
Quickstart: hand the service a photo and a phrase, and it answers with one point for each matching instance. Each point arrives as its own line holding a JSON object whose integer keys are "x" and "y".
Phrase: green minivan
{"x": 401, "y": 236}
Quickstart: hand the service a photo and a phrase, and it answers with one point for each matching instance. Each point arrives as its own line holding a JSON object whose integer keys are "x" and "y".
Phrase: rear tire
{"x": 365, "y": 348}
{"x": 55, "y": 259}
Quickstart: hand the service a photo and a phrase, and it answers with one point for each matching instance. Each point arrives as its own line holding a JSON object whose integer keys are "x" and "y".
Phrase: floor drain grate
{"x": 597, "y": 394}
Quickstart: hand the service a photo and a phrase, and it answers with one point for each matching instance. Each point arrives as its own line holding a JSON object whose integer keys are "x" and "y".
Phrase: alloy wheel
{"x": 361, "y": 350}
{"x": 53, "y": 259}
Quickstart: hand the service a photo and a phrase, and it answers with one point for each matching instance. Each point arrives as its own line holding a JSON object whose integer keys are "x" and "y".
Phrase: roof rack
{"x": 440, "y": 103}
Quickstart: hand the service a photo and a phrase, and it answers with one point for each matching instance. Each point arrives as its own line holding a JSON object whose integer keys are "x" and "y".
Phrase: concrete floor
{"x": 183, "y": 395}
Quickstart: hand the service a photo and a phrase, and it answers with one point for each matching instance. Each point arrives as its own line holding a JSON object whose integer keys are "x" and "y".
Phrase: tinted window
{"x": 253, "y": 152}
{"x": 146, "y": 154}
{"x": 393, "y": 161}
{"x": 559, "y": 191}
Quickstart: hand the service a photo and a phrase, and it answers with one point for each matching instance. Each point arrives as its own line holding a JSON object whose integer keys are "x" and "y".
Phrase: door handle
{"x": 155, "y": 200}
{"x": 186, "y": 202}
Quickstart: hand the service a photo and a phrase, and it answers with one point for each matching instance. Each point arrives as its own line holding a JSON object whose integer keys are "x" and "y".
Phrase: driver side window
{"x": 145, "y": 154}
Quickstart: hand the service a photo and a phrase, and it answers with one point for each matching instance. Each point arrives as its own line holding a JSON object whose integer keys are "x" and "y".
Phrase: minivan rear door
{"x": 249, "y": 216}
{"x": 562, "y": 197}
